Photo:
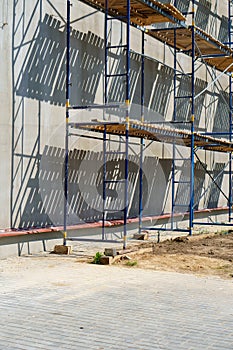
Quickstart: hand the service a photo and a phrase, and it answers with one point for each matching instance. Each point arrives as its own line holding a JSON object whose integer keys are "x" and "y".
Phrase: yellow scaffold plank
{"x": 162, "y": 134}
{"x": 141, "y": 13}
{"x": 206, "y": 45}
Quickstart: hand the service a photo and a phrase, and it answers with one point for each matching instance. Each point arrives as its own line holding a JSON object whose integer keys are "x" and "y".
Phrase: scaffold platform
{"x": 207, "y": 47}
{"x": 142, "y": 12}
{"x": 159, "y": 133}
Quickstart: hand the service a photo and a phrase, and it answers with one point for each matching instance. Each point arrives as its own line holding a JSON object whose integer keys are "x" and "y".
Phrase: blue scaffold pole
{"x": 126, "y": 204}
{"x": 67, "y": 123}
{"x": 142, "y": 140}
{"x": 191, "y": 206}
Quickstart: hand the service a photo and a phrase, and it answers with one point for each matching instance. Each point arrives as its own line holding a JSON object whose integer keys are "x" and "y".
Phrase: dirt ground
{"x": 209, "y": 254}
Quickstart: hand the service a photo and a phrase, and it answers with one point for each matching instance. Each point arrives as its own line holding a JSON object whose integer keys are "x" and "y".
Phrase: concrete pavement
{"x": 53, "y": 302}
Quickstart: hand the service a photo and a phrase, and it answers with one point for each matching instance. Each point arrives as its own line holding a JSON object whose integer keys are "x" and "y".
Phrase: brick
{"x": 141, "y": 236}
{"x": 106, "y": 260}
{"x": 168, "y": 310}
{"x": 110, "y": 252}
{"x": 62, "y": 249}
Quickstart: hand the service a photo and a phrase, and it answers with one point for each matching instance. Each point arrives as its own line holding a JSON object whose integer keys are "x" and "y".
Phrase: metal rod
{"x": 174, "y": 119}
{"x": 94, "y": 106}
{"x": 142, "y": 140}
{"x": 215, "y": 179}
{"x": 128, "y": 58}
{"x": 104, "y": 182}
{"x": 101, "y": 139}
{"x": 106, "y": 53}
{"x": 156, "y": 60}
{"x": 143, "y": 78}
{"x": 213, "y": 81}
{"x": 191, "y": 209}
{"x": 230, "y": 113}
{"x": 104, "y": 214}
{"x": 127, "y": 98}
{"x": 165, "y": 229}
{"x": 77, "y": 125}
{"x": 214, "y": 133}
{"x": 212, "y": 178}
{"x": 67, "y": 122}
{"x": 212, "y": 223}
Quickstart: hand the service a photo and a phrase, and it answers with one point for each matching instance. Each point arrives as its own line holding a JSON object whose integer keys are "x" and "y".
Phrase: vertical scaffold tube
{"x": 104, "y": 212}
{"x": 66, "y": 173}
{"x": 104, "y": 181}
{"x": 106, "y": 53}
{"x": 128, "y": 56}
{"x": 230, "y": 113}
{"x": 191, "y": 206}
{"x": 174, "y": 146}
{"x": 126, "y": 204}
{"x": 141, "y": 140}
{"x": 143, "y": 77}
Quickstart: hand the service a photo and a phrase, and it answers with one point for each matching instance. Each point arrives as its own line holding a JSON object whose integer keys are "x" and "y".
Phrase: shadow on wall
{"x": 158, "y": 85}
{"x": 43, "y": 73}
{"x": 162, "y": 90}
{"x": 41, "y": 77}
{"x": 211, "y": 193}
{"x": 183, "y": 105}
{"x": 158, "y": 82}
{"x": 45, "y": 201}
{"x": 203, "y": 14}
{"x": 182, "y": 198}
{"x": 199, "y": 173}
{"x": 221, "y": 117}
{"x": 223, "y": 35}
{"x": 214, "y": 187}
{"x": 158, "y": 180}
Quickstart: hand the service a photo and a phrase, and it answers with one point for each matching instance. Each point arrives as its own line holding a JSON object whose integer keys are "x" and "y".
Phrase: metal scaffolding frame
{"x": 230, "y": 37}
{"x": 183, "y": 39}
{"x": 123, "y": 45}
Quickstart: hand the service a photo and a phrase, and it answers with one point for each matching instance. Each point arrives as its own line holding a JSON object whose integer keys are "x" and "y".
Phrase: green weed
{"x": 97, "y": 258}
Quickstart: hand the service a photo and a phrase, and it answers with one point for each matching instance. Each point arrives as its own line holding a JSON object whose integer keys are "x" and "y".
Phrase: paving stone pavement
{"x": 54, "y": 302}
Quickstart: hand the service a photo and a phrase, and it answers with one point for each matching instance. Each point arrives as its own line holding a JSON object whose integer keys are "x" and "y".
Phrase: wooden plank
{"x": 221, "y": 63}
{"x": 206, "y": 44}
{"x": 164, "y": 134}
{"x": 140, "y": 13}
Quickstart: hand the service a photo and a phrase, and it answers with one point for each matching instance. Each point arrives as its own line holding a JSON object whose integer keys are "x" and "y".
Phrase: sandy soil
{"x": 203, "y": 254}
{"x": 210, "y": 254}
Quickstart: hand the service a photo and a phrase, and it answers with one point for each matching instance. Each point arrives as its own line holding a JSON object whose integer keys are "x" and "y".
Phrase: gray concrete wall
{"x": 32, "y": 94}
{"x": 5, "y": 112}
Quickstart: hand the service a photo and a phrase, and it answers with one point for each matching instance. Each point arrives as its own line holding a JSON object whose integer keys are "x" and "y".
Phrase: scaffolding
{"x": 184, "y": 39}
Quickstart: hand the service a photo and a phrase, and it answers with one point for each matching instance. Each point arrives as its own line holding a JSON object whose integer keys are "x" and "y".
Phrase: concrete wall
{"x": 6, "y": 113}
{"x": 32, "y": 94}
